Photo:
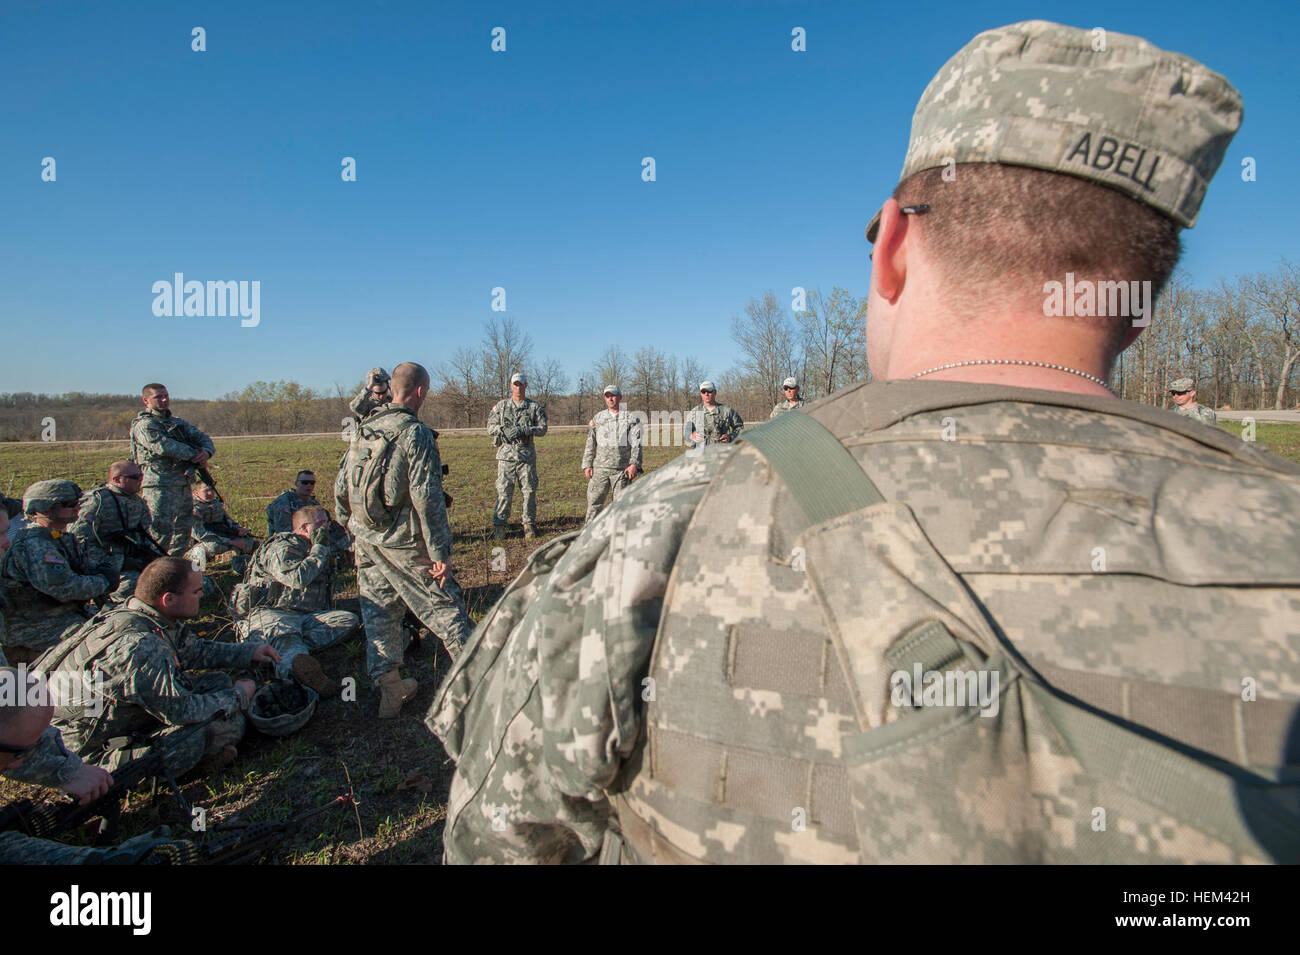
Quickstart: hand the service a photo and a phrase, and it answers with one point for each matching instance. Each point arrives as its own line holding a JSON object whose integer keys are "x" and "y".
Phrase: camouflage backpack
{"x": 366, "y": 465}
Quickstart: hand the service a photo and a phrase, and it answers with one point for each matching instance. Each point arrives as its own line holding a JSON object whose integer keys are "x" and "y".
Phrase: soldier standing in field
{"x": 46, "y": 575}
{"x": 389, "y": 491}
{"x": 168, "y": 450}
{"x": 288, "y": 596}
{"x": 709, "y": 422}
{"x": 513, "y": 424}
{"x": 112, "y": 526}
{"x": 792, "y": 400}
{"x": 612, "y": 455}
{"x": 721, "y": 668}
{"x": 1183, "y": 391}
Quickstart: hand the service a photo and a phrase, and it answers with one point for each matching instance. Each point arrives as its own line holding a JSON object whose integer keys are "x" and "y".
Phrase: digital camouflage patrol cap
{"x": 1182, "y": 384}
{"x": 44, "y": 496}
{"x": 1107, "y": 107}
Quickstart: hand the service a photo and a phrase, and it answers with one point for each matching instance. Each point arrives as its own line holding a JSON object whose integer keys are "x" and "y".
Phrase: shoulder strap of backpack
{"x": 1185, "y": 776}
{"x": 824, "y": 478}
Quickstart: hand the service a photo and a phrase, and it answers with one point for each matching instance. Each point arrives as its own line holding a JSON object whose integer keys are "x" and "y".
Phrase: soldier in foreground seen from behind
{"x": 978, "y": 611}
{"x": 513, "y": 424}
{"x": 168, "y": 450}
{"x": 389, "y": 493}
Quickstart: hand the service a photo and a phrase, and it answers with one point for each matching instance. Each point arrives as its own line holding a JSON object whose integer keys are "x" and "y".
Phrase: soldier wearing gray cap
{"x": 513, "y": 424}
{"x": 979, "y": 610}
{"x": 709, "y": 422}
{"x": 46, "y": 575}
{"x": 791, "y": 401}
{"x": 611, "y": 457}
{"x": 375, "y": 394}
{"x": 1183, "y": 391}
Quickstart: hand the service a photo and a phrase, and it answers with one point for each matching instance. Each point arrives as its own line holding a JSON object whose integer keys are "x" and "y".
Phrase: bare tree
{"x": 1276, "y": 299}
{"x": 547, "y": 380}
{"x": 462, "y": 378}
{"x": 767, "y": 343}
{"x": 648, "y": 379}
{"x": 611, "y": 367}
{"x": 506, "y": 349}
{"x": 834, "y": 341}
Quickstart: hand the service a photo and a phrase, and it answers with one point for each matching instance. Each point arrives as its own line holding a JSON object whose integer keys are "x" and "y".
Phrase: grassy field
{"x": 397, "y": 769}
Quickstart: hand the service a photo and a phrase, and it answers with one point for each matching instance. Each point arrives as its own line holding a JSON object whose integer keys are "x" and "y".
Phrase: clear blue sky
{"x": 519, "y": 169}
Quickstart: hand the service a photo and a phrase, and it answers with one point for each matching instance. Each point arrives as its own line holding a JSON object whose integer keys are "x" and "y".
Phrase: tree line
{"x": 1239, "y": 340}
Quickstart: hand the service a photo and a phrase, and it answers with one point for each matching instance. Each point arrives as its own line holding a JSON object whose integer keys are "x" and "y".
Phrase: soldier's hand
{"x": 320, "y": 536}
{"x": 89, "y": 784}
{"x": 724, "y": 438}
{"x": 440, "y": 571}
{"x": 630, "y": 471}
{"x": 589, "y": 472}
{"x": 245, "y": 544}
{"x": 110, "y": 574}
{"x": 447, "y": 499}
{"x": 265, "y": 653}
{"x": 201, "y": 459}
{"x": 248, "y": 686}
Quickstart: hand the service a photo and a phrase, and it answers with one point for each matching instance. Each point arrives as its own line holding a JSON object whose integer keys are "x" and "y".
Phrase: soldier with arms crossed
{"x": 168, "y": 449}
{"x": 720, "y": 668}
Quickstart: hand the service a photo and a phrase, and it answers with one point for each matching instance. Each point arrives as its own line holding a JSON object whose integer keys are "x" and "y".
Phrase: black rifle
{"x": 47, "y": 820}
{"x": 206, "y": 477}
{"x": 247, "y": 845}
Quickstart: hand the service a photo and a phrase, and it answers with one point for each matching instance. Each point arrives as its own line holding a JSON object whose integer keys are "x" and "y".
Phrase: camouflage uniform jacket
{"x": 613, "y": 441}
{"x": 544, "y": 710}
{"x": 106, "y": 514}
{"x": 279, "y": 513}
{"x": 364, "y": 403}
{"x": 144, "y": 658}
{"x": 529, "y": 417}
{"x": 212, "y": 525}
{"x": 165, "y": 446}
{"x": 711, "y": 423}
{"x": 50, "y": 763}
{"x": 43, "y": 575}
{"x": 1199, "y": 412}
{"x": 412, "y": 491}
{"x": 781, "y": 407}
{"x": 292, "y": 574}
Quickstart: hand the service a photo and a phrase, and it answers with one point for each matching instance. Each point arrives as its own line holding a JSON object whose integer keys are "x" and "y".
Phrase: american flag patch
{"x": 54, "y": 559}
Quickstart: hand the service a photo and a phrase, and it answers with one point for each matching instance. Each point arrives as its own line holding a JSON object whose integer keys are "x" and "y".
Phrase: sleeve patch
{"x": 54, "y": 559}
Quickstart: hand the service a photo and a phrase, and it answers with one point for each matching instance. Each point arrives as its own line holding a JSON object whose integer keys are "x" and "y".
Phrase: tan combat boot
{"x": 530, "y": 531}
{"x": 307, "y": 671}
{"x": 498, "y": 533}
{"x": 393, "y": 692}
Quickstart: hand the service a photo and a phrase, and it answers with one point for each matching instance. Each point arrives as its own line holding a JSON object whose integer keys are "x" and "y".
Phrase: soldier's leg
{"x": 596, "y": 490}
{"x": 382, "y": 611}
{"x": 282, "y": 629}
{"x": 183, "y": 522}
{"x": 440, "y": 608}
{"x": 505, "y": 494}
{"x": 160, "y": 519}
{"x": 127, "y": 587}
{"x": 328, "y": 627}
{"x": 528, "y": 486}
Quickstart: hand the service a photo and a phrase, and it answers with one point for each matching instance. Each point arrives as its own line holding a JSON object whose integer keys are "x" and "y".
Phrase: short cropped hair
{"x": 409, "y": 376}
{"x": 304, "y": 515}
{"x": 165, "y": 575}
{"x": 152, "y": 386}
{"x": 994, "y": 229}
{"x": 301, "y": 473}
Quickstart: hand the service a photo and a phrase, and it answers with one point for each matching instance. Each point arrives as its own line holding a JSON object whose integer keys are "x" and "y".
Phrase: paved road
{"x": 1292, "y": 417}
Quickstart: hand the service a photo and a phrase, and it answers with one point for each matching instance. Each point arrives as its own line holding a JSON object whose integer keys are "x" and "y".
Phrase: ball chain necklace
{"x": 1013, "y": 361}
